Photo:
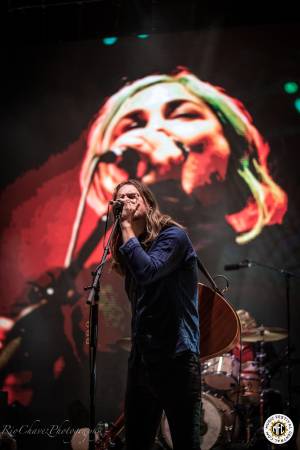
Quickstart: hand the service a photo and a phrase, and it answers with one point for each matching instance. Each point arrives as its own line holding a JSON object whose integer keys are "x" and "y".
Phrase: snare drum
{"x": 221, "y": 373}
{"x": 220, "y": 423}
{"x": 250, "y": 385}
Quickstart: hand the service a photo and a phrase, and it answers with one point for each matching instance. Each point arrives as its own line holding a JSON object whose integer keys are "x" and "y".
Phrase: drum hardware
{"x": 249, "y": 389}
{"x": 254, "y": 375}
{"x": 275, "y": 334}
{"x": 221, "y": 375}
{"x": 260, "y": 355}
{"x": 252, "y": 395}
{"x": 249, "y": 424}
{"x": 228, "y": 379}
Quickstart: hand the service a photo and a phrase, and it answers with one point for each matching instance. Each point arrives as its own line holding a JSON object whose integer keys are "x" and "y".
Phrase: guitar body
{"x": 219, "y": 324}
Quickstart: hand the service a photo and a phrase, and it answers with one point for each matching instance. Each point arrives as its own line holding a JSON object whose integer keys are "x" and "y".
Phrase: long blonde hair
{"x": 267, "y": 199}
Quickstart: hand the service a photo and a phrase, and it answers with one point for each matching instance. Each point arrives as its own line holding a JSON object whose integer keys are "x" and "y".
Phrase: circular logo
{"x": 278, "y": 429}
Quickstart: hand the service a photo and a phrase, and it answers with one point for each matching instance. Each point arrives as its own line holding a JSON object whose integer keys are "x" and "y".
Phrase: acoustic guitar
{"x": 219, "y": 323}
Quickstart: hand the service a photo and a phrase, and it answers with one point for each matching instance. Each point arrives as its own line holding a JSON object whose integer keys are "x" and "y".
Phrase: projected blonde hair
{"x": 267, "y": 202}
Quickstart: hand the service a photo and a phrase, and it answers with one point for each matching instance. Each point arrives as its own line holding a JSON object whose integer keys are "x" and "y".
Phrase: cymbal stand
{"x": 260, "y": 356}
{"x": 287, "y": 276}
{"x": 249, "y": 425}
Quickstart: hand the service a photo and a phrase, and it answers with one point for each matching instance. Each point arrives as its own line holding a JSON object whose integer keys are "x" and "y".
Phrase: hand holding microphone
{"x": 125, "y": 209}
{"x": 117, "y": 207}
{"x": 147, "y": 154}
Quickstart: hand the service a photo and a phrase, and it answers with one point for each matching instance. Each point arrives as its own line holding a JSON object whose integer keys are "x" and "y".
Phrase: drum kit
{"x": 235, "y": 390}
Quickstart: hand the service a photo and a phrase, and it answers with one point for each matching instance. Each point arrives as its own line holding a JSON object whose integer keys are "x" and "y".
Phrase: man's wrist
{"x": 127, "y": 231}
{"x": 125, "y": 225}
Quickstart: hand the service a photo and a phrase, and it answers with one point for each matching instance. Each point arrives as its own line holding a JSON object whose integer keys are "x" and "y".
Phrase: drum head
{"x": 212, "y": 422}
{"x": 221, "y": 373}
{"x": 211, "y": 427}
{"x": 80, "y": 439}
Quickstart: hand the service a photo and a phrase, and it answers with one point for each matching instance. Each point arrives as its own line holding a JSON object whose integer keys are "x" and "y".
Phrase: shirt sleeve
{"x": 166, "y": 254}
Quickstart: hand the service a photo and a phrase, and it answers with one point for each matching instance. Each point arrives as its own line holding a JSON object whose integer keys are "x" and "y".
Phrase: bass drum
{"x": 220, "y": 425}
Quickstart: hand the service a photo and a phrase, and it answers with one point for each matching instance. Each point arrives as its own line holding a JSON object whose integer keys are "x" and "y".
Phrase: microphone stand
{"x": 93, "y": 301}
{"x": 287, "y": 275}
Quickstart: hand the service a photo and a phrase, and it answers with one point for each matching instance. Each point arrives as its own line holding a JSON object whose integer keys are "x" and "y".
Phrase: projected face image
{"x": 175, "y": 135}
{"x": 169, "y": 132}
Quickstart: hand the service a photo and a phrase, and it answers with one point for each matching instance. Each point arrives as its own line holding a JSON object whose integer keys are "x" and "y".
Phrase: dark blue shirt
{"x": 161, "y": 283}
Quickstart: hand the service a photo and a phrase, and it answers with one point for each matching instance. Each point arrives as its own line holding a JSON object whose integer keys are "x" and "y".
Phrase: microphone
{"x": 185, "y": 150}
{"x": 127, "y": 158}
{"x": 241, "y": 265}
{"x": 118, "y": 206}
{"x": 116, "y": 203}
{"x": 112, "y": 155}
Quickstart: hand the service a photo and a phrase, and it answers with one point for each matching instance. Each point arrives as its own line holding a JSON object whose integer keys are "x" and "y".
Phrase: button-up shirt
{"x": 161, "y": 283}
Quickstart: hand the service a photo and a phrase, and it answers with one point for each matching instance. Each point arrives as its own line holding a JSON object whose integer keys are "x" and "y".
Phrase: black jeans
{"x": 173, "y": 386}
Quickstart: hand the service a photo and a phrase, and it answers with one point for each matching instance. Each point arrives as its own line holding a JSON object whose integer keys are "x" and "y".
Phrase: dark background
{"x": 54, "y": 90}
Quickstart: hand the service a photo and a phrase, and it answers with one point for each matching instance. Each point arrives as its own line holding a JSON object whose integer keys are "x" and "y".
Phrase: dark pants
{"x": 173, "y": 386}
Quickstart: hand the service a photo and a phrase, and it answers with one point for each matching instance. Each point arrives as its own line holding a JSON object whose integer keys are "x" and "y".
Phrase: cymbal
{"x": 266, "y": 334}
{"x": 124, "y": 343}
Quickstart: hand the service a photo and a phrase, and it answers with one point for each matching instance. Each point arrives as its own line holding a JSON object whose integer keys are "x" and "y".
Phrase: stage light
{"x": 142, "y": 36}
{"x": 291, "y": 87}
{"x": 297, "y": 104}
{"x": 109, "y": 40}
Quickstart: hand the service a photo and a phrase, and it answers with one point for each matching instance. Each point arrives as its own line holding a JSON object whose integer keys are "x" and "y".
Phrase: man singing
{"x": 159, "y": 263}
